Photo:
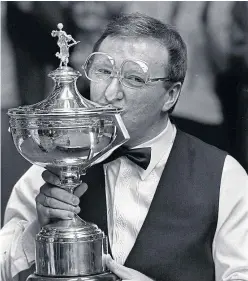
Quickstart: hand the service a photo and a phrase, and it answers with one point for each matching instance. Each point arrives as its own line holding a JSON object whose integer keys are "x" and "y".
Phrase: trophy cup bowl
{"x": 66, "y": 134}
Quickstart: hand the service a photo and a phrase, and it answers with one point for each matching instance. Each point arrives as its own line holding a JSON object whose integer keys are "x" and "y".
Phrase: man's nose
{"x": 114, "y": 90}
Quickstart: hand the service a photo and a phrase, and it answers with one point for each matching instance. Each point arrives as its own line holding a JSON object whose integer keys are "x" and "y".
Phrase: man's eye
{"x": 135, "y": 78}
{"x": 103, "y": 71}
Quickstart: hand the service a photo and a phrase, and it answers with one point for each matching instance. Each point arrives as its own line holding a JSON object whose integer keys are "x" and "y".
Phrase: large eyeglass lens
{"x": 99, "y": 67}
{"x": 134, "y": 74}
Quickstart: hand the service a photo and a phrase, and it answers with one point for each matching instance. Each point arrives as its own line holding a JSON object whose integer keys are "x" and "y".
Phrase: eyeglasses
{"x": 132, "y": 73}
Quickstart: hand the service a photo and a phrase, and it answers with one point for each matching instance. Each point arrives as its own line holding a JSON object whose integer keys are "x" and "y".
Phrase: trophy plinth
{"x": 66, "y": 134}
{"x": 74, "y": 248}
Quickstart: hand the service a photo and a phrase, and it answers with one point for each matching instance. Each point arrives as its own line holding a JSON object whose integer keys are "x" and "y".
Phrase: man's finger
{"x": 81, "y": 189}
{"x": 119, "y": 270}
{"x": 51, "y": 178}
{"x": 55, "y": 204}
{"x": 54, "y": 213}
{"x": 59, "y": 194}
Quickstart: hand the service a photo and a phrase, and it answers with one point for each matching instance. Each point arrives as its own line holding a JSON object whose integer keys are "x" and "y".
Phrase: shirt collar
{"x": 160, "y": 146}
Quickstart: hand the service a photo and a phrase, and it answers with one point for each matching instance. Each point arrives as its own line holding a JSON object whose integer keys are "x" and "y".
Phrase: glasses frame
{"x": 117, "y": 74}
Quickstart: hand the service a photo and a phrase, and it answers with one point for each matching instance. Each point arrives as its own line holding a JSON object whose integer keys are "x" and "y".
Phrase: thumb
{"x": 121, "y": 271}
{"x": 81, "y": 189}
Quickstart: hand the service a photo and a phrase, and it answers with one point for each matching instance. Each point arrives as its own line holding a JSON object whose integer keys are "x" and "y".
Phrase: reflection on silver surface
{"x": 66, "y": 132}
{"x": 66, "y": 144}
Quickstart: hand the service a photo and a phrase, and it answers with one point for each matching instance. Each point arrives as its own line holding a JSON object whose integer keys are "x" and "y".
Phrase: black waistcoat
{"x": 175, "y": 241}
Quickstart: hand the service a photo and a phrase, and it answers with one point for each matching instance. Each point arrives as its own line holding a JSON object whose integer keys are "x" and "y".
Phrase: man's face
{"x": 143, "y": 107}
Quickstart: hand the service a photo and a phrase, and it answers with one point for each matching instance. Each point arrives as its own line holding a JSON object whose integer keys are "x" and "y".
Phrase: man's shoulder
{"x": 196, "y": 144}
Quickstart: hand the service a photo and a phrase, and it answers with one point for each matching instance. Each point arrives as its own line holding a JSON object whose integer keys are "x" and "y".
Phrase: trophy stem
{"x": 70, "y": 177}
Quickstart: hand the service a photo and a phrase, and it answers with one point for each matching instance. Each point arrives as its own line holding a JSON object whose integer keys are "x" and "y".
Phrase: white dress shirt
{"x": 129, "y": 192}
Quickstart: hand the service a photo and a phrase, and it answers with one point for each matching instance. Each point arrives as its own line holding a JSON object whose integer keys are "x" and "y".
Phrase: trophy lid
{"x": 65, "y": 99}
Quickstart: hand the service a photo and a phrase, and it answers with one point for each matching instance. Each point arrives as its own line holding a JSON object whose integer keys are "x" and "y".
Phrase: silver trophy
{"x": 66, "y": 134}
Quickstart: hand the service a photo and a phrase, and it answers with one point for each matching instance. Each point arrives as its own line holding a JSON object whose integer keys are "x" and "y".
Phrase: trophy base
{"x": 105, "y": 276}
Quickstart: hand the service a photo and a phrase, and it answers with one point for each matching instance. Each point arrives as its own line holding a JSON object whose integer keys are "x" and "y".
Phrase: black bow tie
{"x": 140, "y": 156}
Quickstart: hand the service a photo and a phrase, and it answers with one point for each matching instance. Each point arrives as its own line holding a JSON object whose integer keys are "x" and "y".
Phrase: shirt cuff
{"x": 23, "y": 256}
{"x": 28, "y": 241}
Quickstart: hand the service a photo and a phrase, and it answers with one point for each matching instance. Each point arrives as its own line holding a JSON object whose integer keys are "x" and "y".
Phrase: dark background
{"x": 212, "y": 106}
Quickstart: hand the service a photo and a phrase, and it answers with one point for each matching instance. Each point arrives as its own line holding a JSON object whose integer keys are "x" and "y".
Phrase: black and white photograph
{"x": 124, "y": 141}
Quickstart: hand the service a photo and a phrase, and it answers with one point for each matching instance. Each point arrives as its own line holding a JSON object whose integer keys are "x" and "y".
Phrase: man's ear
{"x": 172, "y": 95}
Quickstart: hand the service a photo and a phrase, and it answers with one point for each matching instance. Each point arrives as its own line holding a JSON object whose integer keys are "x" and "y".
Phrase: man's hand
{"x": 124, "y": 272}
{"x": 55, "y": 202}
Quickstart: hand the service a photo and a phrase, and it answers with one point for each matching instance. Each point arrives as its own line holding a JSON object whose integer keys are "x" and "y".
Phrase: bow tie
{"x": 140, "y": 156}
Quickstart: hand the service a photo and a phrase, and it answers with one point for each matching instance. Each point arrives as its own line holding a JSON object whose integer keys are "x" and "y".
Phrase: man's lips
{"x": 112, "y": 105}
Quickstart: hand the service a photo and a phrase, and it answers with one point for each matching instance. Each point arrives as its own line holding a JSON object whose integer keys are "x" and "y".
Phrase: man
{"x": 184, "y": 216}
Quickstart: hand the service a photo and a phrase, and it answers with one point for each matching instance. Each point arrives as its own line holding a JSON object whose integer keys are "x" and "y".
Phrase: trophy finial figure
{"x": 63, "y": 40}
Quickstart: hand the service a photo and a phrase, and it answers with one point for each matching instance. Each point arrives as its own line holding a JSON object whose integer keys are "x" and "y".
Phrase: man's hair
{"x": 139, "y": 25}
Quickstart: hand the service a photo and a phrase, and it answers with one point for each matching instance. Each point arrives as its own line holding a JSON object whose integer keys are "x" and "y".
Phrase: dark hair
{"x": 137, "y": 24}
